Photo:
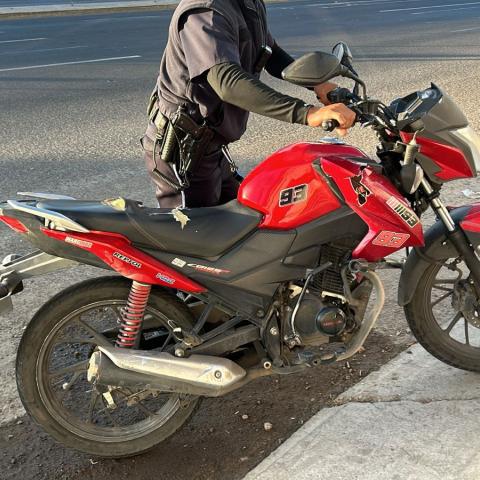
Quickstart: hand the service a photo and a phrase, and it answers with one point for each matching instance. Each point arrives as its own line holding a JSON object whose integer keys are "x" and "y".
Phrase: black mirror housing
{"x": 342, "y": 51}
{"x": 312, "y": 69}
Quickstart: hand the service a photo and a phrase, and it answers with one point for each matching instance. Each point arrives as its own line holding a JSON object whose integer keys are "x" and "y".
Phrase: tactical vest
{"x": 250, "y": 14}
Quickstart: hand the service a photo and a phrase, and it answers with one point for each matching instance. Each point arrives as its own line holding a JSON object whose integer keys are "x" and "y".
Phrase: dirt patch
{"x": 224, "y": 440}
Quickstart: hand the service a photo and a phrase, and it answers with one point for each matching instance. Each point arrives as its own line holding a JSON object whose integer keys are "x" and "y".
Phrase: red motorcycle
{"x": 206, "y": 300}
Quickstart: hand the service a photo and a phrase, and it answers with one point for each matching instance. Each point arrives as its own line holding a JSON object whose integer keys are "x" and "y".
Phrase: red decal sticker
{"x": 390, "y": 239}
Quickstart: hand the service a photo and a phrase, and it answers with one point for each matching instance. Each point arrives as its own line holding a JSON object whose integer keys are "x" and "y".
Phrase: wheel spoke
{"x": 138, "y": 404}
{"x": 76, "y": 367}
{"x": 117, "y": 312}
{"x": 91, "y": 408}
{"x": 110, "y": 417}
{"x": 442, "y": 281}
{"x": 77, "y": 340}
{"x": 145, "y": 410}
{"x": 443, "y": 297}
{"x": 455, "y": 320}
{"x": 99, "y": 338}
{"x": 467, "y": 339}
{"x": 68, "y": 385}
{"x": 444, "y": 289}
{"x": 169, "y": 337}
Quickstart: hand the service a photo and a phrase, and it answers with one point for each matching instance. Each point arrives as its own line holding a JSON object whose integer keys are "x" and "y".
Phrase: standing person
{"x": 207, "y": 85}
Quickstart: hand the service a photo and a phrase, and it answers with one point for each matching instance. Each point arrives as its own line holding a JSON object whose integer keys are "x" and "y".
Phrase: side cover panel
{"x": 391, "y": 222}
{"x": 118, "y": 253}
{"x": 288, "y": 189}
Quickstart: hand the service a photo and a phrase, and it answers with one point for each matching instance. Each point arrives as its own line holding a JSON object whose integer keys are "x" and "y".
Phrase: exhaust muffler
{"x": 196, "y": 375}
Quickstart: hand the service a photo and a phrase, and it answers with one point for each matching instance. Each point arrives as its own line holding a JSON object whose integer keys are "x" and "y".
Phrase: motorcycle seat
{"x": 209, "y": 232}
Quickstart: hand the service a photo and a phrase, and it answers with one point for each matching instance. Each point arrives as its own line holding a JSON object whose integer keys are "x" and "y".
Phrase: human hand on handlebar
{"x": 316, "y": 116}
{"x": 323, "y": 89}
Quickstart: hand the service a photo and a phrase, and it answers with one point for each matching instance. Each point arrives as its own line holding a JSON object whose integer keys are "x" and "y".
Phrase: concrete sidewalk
{"x": 414, "y": 419}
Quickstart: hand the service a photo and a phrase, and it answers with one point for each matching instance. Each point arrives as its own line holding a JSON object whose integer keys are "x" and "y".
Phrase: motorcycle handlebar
{"x": 330, "y": 125}
{"x": 340, "y": 95}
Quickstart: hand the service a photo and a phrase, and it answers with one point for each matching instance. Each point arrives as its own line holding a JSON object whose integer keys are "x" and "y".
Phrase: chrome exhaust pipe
{"x": 196, "y": 375}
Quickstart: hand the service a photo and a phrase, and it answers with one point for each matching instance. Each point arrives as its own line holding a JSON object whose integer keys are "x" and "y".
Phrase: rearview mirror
{"x": 342, "y": 51}
{"x": 312, "y": 69}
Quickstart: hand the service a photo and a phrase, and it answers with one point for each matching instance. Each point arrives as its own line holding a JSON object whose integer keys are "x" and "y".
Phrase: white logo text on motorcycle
{"x": 403, "y": 212}
{"x": 125, "y": 259}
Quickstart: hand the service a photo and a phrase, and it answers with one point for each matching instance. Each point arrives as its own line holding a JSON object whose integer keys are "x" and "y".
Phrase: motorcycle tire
{"x": 37, "y": 390}
{"x": 427, "y": 330}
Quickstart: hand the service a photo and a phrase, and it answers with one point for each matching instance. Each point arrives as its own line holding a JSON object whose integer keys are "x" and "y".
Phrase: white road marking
{"x": 447, "y": 10}
{"x": 430, "y": 7}
{"x": 41, "y": 50}
{"x": 346, "y": 4}
{"x": 465, "y": 30}
{"x": 69, "y": 63}
{"x": 22, "y": 40}
{"x": 121, "y": 19}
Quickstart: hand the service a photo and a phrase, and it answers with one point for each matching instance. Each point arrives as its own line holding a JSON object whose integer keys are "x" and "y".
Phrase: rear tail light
{"x": 14, "y": 224}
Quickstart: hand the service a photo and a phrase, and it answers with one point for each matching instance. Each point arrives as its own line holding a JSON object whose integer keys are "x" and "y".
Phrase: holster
{"x": 193, "y": 141}
{"x": 183, "y": 142}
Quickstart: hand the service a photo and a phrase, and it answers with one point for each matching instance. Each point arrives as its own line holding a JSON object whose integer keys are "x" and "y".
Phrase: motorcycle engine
{"x": 323, "y": 313}
{"x": 317, "y": 321}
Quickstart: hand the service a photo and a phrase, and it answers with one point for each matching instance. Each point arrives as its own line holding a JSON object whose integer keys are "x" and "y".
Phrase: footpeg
{"x": 10, "y": 259}
{"x": 314, "y": 360}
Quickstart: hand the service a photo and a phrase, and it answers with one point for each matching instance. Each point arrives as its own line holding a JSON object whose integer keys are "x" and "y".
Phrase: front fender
{"x": 437, "y": 247}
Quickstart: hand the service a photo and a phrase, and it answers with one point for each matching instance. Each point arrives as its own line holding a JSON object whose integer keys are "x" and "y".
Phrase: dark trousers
{"x": 211, "y": 182}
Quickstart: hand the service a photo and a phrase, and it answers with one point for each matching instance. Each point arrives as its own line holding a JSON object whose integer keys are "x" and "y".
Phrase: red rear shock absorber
{"x": 132, "y": 316}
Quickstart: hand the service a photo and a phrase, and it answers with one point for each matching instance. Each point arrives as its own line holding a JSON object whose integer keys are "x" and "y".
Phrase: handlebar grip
{"x": 330, "y": 125}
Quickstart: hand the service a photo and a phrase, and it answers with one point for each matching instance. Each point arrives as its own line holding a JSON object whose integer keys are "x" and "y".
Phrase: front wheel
{"x": 52, "y": 362}
{"x": 444, "y": 314}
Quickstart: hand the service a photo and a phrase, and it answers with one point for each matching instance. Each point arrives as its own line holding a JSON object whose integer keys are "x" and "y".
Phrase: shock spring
{"x": 132, "y": 316}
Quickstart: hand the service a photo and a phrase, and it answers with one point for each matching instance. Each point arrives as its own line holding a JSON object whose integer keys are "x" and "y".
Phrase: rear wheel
{"x": 52, "y": 363}
{"x": 444, "y": 314}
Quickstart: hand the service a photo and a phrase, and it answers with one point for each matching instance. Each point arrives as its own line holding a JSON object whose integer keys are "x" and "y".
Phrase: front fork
{"x": 455, "y": 234}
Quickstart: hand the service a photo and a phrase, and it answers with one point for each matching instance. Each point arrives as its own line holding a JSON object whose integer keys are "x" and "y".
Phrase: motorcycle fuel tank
{"x": 306, "y": 181}
{"x": 289, "y": 188}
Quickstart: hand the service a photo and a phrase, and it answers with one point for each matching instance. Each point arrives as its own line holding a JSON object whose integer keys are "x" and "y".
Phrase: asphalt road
{"x": 28, "y": 3}
{"x": 73, "y": 92}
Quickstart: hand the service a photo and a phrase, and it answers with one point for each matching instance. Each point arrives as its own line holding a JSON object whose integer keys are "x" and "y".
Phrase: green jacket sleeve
{"x": 235, "y": 86}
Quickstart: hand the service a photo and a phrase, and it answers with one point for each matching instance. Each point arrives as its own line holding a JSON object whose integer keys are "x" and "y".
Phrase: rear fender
{"x": 120, "y": 255}
{"x": 438, "y": 248}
